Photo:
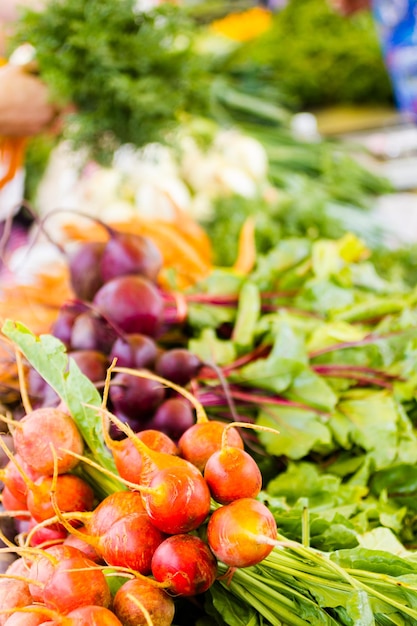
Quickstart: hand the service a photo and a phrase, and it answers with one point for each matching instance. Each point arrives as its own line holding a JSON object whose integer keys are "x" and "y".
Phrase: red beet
{"x": 132, "y": 303}
{"x": 84, "y": 268}
{"x": 129, "y": 253}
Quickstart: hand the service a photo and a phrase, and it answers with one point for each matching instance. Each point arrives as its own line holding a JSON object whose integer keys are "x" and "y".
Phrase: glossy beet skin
{"x": 132, "y": 303}
{"x": 84, "y": 269}
{"x": 134, "y": 350}
{"x": 69, "y": 588}
{"x": 72, "y": 494}
{"x": 135, "y": 397}
{"x": 34, "y": 435}
{"x": 128, "y": 459}
{"x": 173, "y": 417}
{"x": 178, "y": 500}
{"x": 231, "y": 473}
{"x": 178, "y": 365}
{"x": 199, "y": 442}
{"x": 158, "y": 604}
{"x": 242, "y": 533}
{"x": 122, "y": 533}
{"x": 186, "y": 564}
{"x": 129, "y": 253}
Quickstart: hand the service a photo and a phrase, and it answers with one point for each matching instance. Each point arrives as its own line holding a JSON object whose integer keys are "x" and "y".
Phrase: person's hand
{"x": 24, "y": 105}
{"x": 348, "y": 7}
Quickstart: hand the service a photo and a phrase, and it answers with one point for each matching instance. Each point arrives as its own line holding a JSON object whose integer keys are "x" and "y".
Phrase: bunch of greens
{"x": 317, "y": 345}
{"x": 128, "y": 75}
{"x": 317, "y": 57}
{"x": 298, "y": 586}
{"x": 322, "y": 191}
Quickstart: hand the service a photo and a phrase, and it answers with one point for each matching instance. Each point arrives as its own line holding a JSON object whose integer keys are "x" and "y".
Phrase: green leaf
{"x": 380, "y": 561}
{"x": 300, "y": 431}
{"x": 211, "y": 349}
{"x": 248, "y": 311}
{"x": 311, "y": 389}
{"x": 232, "y": 610}
{"x": 277, "y": 371}
{"x": 372, "y": 424}
{"x": 47, "y": 355}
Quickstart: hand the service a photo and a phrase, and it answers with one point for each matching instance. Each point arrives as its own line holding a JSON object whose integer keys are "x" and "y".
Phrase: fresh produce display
{"x": 121, "y": 99}
{"x": 299, "y": 510}
{"x": 212, "y": 427}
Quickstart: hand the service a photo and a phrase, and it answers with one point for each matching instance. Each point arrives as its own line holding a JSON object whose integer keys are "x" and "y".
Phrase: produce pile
{"x": 303, "y": 367}
{"x": 189, "y": 443}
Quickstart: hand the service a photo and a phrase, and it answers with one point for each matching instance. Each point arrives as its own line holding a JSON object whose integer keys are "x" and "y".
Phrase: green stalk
{"x": 351, "y": 580}
{"x": 264, "y": 600}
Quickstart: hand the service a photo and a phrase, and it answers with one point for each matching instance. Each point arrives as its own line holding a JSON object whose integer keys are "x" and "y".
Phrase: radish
{"x": 76, "y": 581}
{"x": 242, "y": 533}
{"x": 185, "y": 564}
{"x": 138, "y": 595}
{"x": 34, "y": 435}
{"x": 199, "y": 441}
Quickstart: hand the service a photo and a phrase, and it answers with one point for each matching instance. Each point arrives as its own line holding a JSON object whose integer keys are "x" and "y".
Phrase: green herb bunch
{"x": 127, "y": 76}
{"x": 318, "y": 57}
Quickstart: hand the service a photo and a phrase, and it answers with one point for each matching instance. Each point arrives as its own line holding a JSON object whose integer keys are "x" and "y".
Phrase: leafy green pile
{"x": 320, "y": 347}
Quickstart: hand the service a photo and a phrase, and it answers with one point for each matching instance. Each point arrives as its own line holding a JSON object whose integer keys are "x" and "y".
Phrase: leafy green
{"x": 318, "y": 57}
{"x": 129, "y": 76}
{"x": 47, "y": 355}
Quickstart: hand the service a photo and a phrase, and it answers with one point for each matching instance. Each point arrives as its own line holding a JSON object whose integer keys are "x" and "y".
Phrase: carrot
{"x": 12, "y": 154}
{"x": 246, "y": 255}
